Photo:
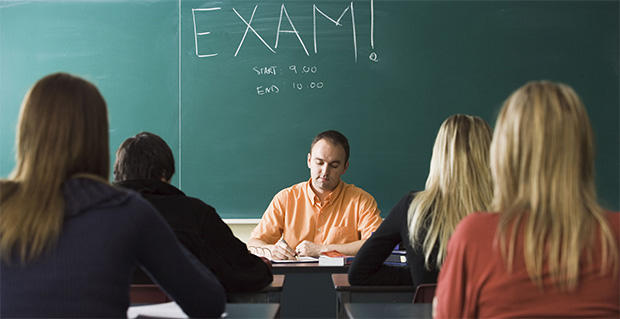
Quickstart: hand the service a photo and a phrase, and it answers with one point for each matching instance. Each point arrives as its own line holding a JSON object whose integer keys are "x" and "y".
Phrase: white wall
{"x": 242, "y": 228}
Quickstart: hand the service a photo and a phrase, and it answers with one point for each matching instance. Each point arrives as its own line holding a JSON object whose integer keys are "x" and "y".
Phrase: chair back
{"x": 424, "y": 293}
{"x": 141, "y": 294}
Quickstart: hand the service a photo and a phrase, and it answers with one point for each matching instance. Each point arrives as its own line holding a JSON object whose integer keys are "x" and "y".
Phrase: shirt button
{"x": 320, "y": 229}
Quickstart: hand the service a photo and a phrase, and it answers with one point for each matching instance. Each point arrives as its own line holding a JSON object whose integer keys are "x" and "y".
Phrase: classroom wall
{"x": 242, "y": 228}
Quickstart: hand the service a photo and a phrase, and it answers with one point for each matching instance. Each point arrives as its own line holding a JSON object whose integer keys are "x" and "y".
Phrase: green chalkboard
{"x": 239, "y": 88}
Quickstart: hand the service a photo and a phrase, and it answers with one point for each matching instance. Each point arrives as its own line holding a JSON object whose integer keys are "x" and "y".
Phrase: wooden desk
{"x": 150, "y": 294}
{"x": 140, "y": 294}
{"x": 308, "y": 291}
{"x": 389, "y": 310}
{"x": 345, "y": 294}
{"x": 270, "y": 294}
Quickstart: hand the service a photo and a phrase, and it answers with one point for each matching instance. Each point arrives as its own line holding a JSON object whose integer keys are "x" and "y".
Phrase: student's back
{"x": 201, "y": 230}
{"x": 488, "y": 290}
{"x": 107, "y": 233}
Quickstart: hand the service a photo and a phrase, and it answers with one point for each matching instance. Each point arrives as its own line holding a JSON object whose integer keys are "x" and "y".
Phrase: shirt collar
{"x": 314, "y": 198}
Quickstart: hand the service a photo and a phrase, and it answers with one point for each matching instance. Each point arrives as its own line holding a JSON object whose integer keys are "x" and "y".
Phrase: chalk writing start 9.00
{"x": 273, "y": 70}
{"x": 294, "y": 71}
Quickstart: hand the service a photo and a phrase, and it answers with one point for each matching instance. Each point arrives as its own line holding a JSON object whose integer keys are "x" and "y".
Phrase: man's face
{"x": 327, "y": 163}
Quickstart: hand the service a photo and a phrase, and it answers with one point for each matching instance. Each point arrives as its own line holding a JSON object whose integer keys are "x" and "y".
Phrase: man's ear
{"x": 163, "y": 178}
{"x": 309, "y": 157}
{"x": 346, "y": 166}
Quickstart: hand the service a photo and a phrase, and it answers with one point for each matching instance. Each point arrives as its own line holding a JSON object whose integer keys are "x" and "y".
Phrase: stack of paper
{"x": 300, "y": 259}
{"x": 160, "y": 310}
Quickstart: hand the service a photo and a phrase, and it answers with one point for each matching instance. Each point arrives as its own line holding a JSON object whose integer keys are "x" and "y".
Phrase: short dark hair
{"x": 335, "y": 138}
{"x": 143, "y": 156}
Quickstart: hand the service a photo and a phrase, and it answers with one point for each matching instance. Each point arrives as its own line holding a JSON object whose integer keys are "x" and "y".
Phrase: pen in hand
{"x": 287, "y": 245}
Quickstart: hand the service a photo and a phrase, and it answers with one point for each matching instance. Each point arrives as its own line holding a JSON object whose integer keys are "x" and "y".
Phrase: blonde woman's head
{"x": 460, "y": 153}
{"x": 543, "y": 147}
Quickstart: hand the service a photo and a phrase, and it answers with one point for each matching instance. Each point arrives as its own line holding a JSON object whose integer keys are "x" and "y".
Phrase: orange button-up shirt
{"x": 296, "y": 214}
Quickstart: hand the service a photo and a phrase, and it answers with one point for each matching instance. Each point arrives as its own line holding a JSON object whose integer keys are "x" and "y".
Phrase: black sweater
{"x": 204, "y": 233}
{"x": 368, "y": 268}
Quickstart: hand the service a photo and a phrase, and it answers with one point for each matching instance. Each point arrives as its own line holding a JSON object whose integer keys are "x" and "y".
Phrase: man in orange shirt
{"x": 321, "y": 214}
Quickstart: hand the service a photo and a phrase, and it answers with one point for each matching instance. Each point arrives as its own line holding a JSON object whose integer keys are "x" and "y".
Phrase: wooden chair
{"x": 270, "y": 294}
{"x": 424, "y": 293}
{"x": 145, "y": 294}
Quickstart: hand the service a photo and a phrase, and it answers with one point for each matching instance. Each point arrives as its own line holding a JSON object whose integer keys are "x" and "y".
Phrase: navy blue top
{"x": 107, "y": 233}
{"x": 368, "y": 267}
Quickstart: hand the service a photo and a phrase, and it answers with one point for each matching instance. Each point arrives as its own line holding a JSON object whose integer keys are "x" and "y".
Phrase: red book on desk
{"x": 334, "y": 258}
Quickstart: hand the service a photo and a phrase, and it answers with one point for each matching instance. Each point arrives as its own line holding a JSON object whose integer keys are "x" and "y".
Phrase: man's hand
{"x": 308, "y": 248}
{"x": 282, "y": 251}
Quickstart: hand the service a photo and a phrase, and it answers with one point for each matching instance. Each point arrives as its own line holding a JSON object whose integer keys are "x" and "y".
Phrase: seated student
{"x": 145, "y": 163}
{"x": 550, "y": 250}
{"x": 459, "y": 182}
{"x": 321, "y": 214}
{"x": 70, "y": 241}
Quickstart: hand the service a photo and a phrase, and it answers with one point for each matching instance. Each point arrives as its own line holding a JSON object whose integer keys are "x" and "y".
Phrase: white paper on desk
{"x": 302, "y": 259}
{"x": 161, "y": 310}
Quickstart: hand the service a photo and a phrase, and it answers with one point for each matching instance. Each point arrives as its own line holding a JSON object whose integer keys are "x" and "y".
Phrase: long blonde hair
{"x": 459, "y": 183}
{"x": 62, "y": 131}
{"x": 542, "y": 162}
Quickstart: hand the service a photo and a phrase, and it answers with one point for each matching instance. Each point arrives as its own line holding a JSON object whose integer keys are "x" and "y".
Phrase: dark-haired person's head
{"x": 328, "y": 160}
{"x": 335, "y": 138}
{"x": 144, "y": 156}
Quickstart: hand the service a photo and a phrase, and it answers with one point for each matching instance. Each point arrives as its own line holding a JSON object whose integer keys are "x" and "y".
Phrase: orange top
{"x": 474, "y": 282}
{"x": 348, "y": 214}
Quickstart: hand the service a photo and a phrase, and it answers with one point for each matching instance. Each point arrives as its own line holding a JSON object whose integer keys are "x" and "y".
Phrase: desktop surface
{"x": 389, "y": 310}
